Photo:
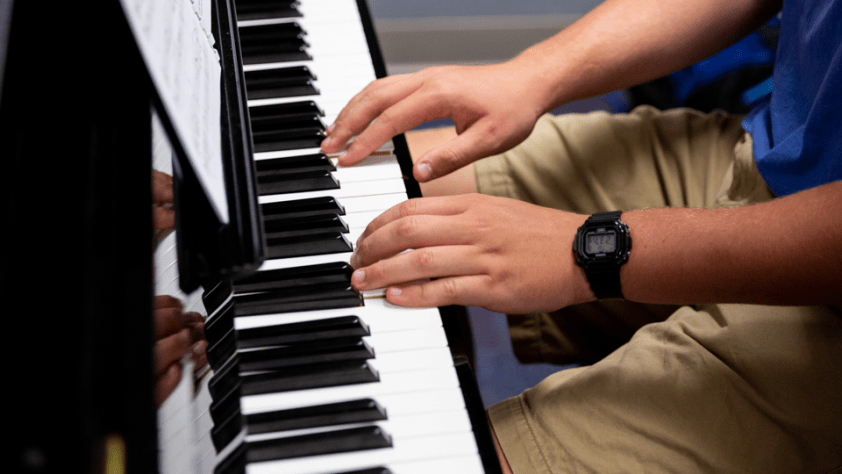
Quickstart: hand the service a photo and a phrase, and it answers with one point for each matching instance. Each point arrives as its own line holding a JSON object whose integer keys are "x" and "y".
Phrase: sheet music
{"x": 176, "y": 45}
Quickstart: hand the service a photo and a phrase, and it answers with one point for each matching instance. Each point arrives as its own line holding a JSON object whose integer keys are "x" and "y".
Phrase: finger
{"x": 163, "y": 218}
{"x": 353, "y": 103}
{"x": 441, "y": 205}
{"x": 429, "y": 262}
{"x": 405, "y": 115}
{"x": 170, "y": 350}
{"x": 480, "y": 140}
{"x": 166, "y": 383}
{"x": 167, "y": 301}
{"x": 412, "y": 232}
{"x": 167, "y": 321}
{"x": 162, "y": 188}
{"x": 200, "y": 356}
{"x": 364, "y": 108}
{"x": 461, "y": 290}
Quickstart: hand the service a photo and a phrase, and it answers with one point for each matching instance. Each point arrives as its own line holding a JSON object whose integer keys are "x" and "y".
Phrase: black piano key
{"x": 226, "y": 405}
{"x": 224, "y": 432}
{"x": 277, "y": 358}
{"x": 234, "y": 463}
{"x": 222, "y": 350}
{"x": 317, "y": 297}
{"x": 278, "y": 76}
{"x": 303, "y": 333}
{"x": 327, "y": 223}
{"x": 304, "y": 377}
{"x": 357, "y": 411}
{"x": 334, "y": 272}
{"x": 285, "y": 362}
{"x": 373, "y": 470}
{"x": 264, "y": 10}
{"x": 218, "y": 326}
{"x": 301, "y": 208}
{"x": 269, "y": 114}
{"x": 280, "y": 82}
{"x": 339, "y": 441}
{"x": 212, "y": 298}
{"x": 290, "y": 139}
{"x": 284, "y": 30}
{"x": 330, "y": 442}
{"x": 315, "y": 244}
{"x": 270, "y": 128}
{"x": 294, "y": 164}
{"x": 225, "y": 379}
{"x": 255, "y": 34}
{"x": 296, "y": 182}
{"x": 287, "y": 54}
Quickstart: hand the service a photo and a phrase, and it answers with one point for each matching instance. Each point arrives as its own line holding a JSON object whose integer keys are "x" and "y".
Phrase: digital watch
{"x": 602, "y": 246}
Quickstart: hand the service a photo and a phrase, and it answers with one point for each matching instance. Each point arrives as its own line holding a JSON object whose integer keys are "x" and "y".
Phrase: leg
{"x": 725, "y": 388}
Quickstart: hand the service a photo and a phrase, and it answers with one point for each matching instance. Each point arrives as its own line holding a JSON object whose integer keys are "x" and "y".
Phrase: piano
{"x": 305, "y": 375}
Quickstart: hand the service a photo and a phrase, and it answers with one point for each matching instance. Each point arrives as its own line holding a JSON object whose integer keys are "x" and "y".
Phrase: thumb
{"x": 474, "y": 143}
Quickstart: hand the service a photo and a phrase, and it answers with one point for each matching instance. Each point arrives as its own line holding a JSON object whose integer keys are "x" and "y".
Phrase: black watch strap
{"x": 604, "y": 277}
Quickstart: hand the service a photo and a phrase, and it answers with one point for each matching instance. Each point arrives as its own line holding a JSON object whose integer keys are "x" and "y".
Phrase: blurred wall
{"x": 419, "y": 33}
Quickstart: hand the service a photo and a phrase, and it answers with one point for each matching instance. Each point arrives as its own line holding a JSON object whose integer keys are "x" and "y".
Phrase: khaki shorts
{"x": 713, "y": 388}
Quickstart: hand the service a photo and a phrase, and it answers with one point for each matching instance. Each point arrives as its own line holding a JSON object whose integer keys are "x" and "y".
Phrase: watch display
{"x": 601, "y": 243}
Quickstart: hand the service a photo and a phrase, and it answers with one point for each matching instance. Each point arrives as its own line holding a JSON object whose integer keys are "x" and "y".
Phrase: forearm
{"x": 626, "y": 42}
{"x": 786, "y": 251}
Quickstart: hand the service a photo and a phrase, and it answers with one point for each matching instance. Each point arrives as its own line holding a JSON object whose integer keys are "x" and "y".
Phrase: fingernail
{"x": 330, "y": 128}
{"x": 341, "y": 155}
{"x": 355, "y": 260}
{"x": 359, "y": 276}
{"x": 395, "y": 291}
{"x": 425, "y": 172}
{"x": 327, "y": 141}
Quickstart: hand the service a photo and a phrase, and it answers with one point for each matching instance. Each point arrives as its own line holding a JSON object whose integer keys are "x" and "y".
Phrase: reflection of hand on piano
{"x": 175, "y": 333}
{"x": 163, "y": 214}
{"x": 494, "y": 108}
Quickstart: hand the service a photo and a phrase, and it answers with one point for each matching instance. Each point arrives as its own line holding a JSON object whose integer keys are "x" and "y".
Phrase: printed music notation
{"x": 175, "y": 41}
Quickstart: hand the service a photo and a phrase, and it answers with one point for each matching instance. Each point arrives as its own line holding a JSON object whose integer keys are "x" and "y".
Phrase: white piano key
{"x": 405, "y": 359}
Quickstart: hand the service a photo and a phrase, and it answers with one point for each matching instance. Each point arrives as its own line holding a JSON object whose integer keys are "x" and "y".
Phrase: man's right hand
{"x": 494, "y": 108}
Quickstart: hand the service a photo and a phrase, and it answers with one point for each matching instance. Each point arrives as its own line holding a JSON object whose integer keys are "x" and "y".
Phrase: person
{"x": 730, "y": 327}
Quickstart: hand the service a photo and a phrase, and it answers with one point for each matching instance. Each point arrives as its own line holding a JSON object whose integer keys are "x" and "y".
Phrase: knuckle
{"x": 450, "y": 289}
{"x": 407, "y": 208}
{"x": 407, "y": 226}
{"x": 423, "y": 258}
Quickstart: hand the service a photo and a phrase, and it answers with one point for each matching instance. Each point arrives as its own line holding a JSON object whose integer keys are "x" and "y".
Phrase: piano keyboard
{"x": 309, "y": 376}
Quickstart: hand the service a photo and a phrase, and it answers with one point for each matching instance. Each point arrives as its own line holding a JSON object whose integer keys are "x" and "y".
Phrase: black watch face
{"x": 601, "y": 243}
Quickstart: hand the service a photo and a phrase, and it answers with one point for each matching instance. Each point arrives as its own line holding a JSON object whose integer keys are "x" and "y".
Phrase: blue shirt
{"x": 797, "y": 131}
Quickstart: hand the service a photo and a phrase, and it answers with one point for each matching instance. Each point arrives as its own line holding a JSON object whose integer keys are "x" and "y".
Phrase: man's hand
{"x": 494, "y": 108}
{"x": 501, "y": 254}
